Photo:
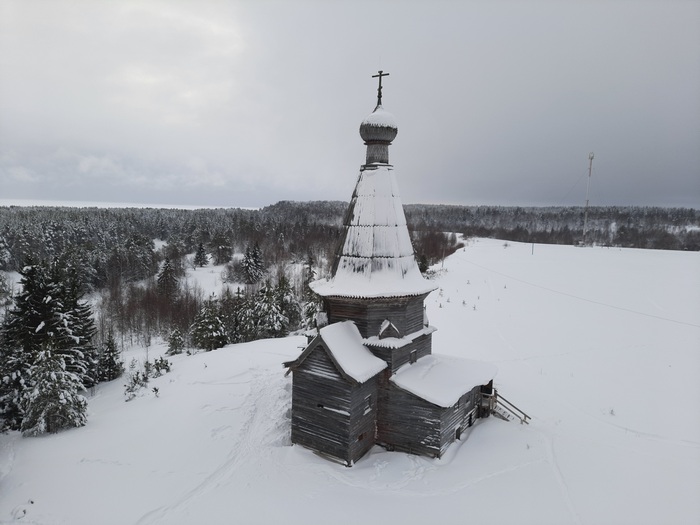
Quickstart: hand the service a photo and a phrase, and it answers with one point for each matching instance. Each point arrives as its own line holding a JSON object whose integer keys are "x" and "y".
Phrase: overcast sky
{"x": 225, "y": 103}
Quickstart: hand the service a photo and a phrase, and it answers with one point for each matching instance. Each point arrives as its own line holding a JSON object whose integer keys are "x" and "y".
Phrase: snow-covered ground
{"x": 600, "y": 346}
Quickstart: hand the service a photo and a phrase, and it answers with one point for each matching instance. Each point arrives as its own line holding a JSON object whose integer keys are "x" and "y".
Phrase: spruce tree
{"x": 230, "y": 306}
{"x": 220, "y": 247}
{"x": 288, "y": 304}
{"x": 208, "y": 331}
{"x": 176, "y": 343}
{"x": 253, "y": 267}
{"x": 53, "y": 402}
{"x": 200, "y": 257}
{"x": 110, "y": 364}
{"x": 4, "y": 290}
{"x": 262, "y": 317}
{"x": 73, "y": 329}
{"x": 48, "y": 314}
{"x": 309, "y": 275}
{"x": 20, "y": 342}
{"x": 258, "y": 264}
{"x": 25, "y": 323}
{"x": 167, "y": 280}
{"x": 247, "y": 265}
{"x": 14, "y": 380}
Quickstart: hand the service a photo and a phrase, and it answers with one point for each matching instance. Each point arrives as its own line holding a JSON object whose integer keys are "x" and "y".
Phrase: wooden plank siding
{"x": 460, "y": 416}
{"x": 406, "y": 313}
{"x": 406, "y": 422}
{"x": 410, "y": 424}
{"x": 331, "y": 414}
{"x": 363, "y": 418}
{"x": 397, "y": 357}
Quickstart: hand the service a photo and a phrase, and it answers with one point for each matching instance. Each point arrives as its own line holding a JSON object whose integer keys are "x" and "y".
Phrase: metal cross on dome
{"x": 379, "y": 90}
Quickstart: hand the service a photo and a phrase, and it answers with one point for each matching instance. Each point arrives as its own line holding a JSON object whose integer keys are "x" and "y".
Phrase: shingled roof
{"x": 376, "y": 258}
{"x": 442, "y": 380}
{"x": 345, "y": 347}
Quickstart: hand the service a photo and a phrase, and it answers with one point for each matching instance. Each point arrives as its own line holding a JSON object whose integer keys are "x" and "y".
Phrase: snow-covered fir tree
{"x": 310, "y": 310}
{"x": 288, "y": 303}
{"x": 252, "y": 264}
{"x": 111, "y": 365}
{"x": 262, "y": 315}
{"x": 167, "y": 280}
{"x": 208, "y": 331}
{"x": 220, "y": 247}
{"x": 14, "y": 379}
{"x": 48, "y": 314}
{"x": 201, "y": 258}
{"x": 20, "y": 343}
{"x": 4, "y": 291}
{"x": 74, "y": 327}
{"x": 53, "y": 401}
{"x": 176, "y": 342}
{"x": 230, "y": 306}
{"x": 312, "y": 303}
{"x": 308, "y": 276}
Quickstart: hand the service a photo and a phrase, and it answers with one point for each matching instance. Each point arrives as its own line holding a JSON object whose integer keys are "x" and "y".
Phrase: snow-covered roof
{"x": 344, "y": 342}
{"x": 380, "y": 117}
{"x": 397, "y": 342}
{"x": 376, "y": 258}
{"x": 442, "y": 380}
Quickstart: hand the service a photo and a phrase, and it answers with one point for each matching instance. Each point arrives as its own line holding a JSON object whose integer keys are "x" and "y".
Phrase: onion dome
{"x": 378, "y": 130}
{"x": 379, "y": 126}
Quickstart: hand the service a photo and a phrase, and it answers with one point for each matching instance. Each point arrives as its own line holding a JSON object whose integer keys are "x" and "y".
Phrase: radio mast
{"x": 588, "y": 187}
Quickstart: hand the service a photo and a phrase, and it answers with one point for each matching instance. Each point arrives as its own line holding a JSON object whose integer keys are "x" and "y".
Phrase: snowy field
{"x": 600, "y": 346}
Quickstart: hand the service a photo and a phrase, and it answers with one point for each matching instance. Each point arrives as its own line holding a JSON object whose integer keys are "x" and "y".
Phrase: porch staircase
{"x": 503, "y": 409}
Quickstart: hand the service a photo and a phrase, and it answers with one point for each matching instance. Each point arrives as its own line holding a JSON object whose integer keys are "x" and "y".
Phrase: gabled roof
{"x": 442, "y": 380}
{"x": 344, "y": 344}
{"x": 376, "y": 258}
{"x": 397, "y": 342}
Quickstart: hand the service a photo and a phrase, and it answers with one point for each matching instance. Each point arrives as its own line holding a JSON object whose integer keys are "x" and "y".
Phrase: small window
{"x": 413, "y": 357}
{"x": 368, "y": 405}
{"x": 319, "y": 405}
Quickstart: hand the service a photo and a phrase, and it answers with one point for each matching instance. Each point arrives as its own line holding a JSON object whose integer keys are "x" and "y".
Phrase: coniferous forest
{"x": 93, "y": 280}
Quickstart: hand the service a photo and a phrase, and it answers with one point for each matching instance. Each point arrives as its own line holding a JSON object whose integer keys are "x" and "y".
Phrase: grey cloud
{"x": 247, "y": 103}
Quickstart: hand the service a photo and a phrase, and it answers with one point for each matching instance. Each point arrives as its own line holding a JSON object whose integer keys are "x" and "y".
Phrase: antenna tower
{"x": 588, "y": 187}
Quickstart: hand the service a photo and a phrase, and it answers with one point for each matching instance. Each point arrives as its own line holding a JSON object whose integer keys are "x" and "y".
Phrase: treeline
{"x": 112, "y": 246}
{"x": 54, "y": 344}
{"x": 630, "y": 227}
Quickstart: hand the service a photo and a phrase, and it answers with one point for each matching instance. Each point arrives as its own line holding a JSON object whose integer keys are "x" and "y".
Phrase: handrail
{"x": 510, "y": 407}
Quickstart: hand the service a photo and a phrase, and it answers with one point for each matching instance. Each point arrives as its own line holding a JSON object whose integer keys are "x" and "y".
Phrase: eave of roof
{"x": 397, "y": 342}
{"x": 442, "y": 380}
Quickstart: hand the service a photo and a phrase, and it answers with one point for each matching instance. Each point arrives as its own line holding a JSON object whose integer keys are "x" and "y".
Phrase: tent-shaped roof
{"x": 344, "y": 344}
{"x": 376, "y": 258}
{"x": 442, "y": 380}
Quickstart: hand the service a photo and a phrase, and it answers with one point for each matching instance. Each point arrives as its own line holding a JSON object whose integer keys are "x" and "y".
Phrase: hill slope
{"x": 600, "y": 346}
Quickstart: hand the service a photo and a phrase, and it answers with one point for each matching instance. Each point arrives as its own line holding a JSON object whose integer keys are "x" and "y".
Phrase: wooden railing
{"x": 499, "y": 403}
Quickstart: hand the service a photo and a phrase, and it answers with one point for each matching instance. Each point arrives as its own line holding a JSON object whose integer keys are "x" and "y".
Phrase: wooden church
{"x": 369, "y": 376}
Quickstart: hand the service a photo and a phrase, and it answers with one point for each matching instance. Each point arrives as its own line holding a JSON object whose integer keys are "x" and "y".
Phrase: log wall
{"x": 330, "y": 414}
{"x": 397, "y": 357}
{"x": 456, "y": 419}
{"x": 406, "y": 313}
{"x": 410, "y": 424}
{"x": 407, "y": 423}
